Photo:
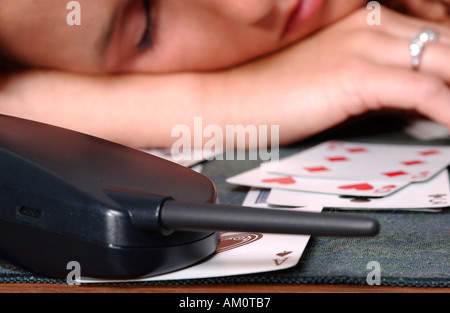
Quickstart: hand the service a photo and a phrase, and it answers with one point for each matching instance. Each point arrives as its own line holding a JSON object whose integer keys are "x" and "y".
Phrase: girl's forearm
{"x": 136, "y": 110}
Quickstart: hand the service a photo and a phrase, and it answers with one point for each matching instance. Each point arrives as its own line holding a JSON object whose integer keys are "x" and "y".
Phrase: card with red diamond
{"x": 367, "y": 162}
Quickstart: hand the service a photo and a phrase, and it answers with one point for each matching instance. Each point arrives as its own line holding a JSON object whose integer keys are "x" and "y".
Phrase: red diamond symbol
{"x": 409, "y": 163}
{"x": 395, "y": 174}
{"x": 356, "y": 150}
{"x": 337, "y": 159}
{"x": 429, "y": 152}
{"x": 316, "y": 169}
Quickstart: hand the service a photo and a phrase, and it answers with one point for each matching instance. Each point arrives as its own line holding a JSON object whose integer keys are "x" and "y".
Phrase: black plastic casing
{"x": 67, "y": 196}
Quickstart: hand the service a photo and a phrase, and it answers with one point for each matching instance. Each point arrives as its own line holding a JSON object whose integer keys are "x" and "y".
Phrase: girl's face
{"x": 158, "y": 35}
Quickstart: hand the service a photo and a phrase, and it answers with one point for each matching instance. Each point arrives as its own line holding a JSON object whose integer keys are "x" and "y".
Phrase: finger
{"x": 388, "y": 87}
{"x": 435, "y": 58}
{"x": 431, "y": 10}
{"x": 388, "y": 50}
{"x": 428, "y": 9}
{"x": 404, "y": 26}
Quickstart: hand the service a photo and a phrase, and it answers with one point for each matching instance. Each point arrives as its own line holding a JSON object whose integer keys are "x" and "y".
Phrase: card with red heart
{"x": 261, "y": 179}
{"x": 429, "y": 196}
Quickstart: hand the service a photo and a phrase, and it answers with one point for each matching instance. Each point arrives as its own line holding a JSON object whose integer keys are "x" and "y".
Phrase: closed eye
{"x": 147, "y": 38}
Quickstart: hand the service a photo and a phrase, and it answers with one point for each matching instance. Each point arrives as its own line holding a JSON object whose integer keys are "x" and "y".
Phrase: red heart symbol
{"x": 357, "y": 187}
{"x": 282, "y": 181}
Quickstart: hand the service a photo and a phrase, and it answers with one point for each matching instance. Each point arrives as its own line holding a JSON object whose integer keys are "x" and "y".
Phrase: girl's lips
{"x": 303, "y": 11}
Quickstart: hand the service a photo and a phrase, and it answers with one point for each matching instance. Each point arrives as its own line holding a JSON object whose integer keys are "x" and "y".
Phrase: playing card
{"x": 367, "y": 162}
{"x": 195, "y": 157}
{"x": 426, "y": 196}
{"x": 261, "y": 179}
{"x": 426, "y": 130}
{"x": 241, "y": 253}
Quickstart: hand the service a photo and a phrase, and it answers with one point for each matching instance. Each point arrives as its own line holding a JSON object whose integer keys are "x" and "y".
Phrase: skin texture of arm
{"x": 136, "y": 110}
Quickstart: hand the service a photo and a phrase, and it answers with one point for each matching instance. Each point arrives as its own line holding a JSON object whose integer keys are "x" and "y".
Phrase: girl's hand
{"x": 347, "y": 69}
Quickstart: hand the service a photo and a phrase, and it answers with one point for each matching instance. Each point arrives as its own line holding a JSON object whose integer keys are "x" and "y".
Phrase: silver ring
{"x": 418, "y": 43}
